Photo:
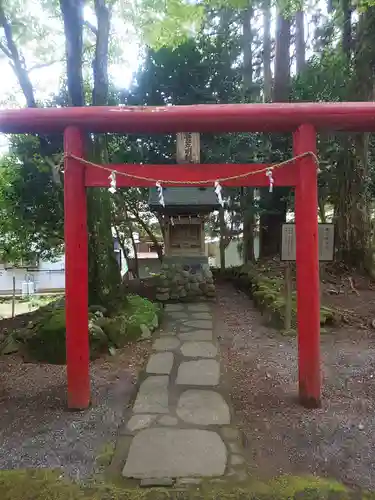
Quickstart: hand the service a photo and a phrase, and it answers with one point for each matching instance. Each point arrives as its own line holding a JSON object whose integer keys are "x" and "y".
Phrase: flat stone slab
{"x": 178, "y": 315}
{"x": 201, "y": 315}
{"x": 170, "y": 453}
{"x": 138, "y": 422}
{"x": 198, "y": 307}
{"x": 152, "y": 396}
{"x": 166, "y": 344}
{"x": 201, "y": 372}
{"x": 197, "y": 335}
{"x": 173, "y": 307}
{"x": 199, "y": 323}
{"x": 236, "y": 460}
{"x": 160, "y": 363}
{"x": 199, "y": 349}
{"x": 168, "y": 420}
{"x": 203, "y": 408}
{"x": 167, "y": 333}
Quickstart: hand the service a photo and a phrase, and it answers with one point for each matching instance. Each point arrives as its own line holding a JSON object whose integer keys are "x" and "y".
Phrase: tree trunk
{"x": 247, "y": 40}
{"x": 267, "y": 73}
{"x": 104, "y": 272}
{"x": 274, "y": 204}
{"x": 222, "y": 237}
{"x": 247, "y": 83}
{"x": 300, "y": 42}
{"x": 72, "y": 13}
{"x": 346, "y": 31}
{"x": 248, "y": 225}
{"x": 135, "y": 268}
{"x": 353, "y": 217}
{"x": 150, "y": 234}
{"x": 282, "y": 60}
{"x": 17, "y": 61}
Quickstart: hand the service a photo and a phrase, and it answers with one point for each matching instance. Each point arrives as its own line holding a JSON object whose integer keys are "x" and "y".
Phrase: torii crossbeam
{"x": 302, "y": 120}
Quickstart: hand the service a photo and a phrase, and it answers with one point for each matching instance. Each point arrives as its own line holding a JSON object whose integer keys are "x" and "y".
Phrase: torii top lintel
{"x": 274, "y": 117}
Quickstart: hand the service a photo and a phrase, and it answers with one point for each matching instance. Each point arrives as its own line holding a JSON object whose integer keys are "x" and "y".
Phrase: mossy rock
{"x": 94, "y": 309}
{"x": 46, "y": 341}
{"x": 115, "y": 330}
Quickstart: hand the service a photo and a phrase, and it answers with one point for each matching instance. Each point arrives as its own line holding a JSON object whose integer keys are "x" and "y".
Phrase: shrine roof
{"x": 184, "y": 198}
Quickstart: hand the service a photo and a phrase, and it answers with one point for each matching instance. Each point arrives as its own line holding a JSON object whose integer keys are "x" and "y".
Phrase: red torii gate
{"x": 301, "y": 119}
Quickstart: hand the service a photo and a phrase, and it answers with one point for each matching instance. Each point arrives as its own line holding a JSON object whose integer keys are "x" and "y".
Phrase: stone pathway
{"x": 180, "y": 425}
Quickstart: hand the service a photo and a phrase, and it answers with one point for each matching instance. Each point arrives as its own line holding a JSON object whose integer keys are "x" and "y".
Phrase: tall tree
{"x": 281, "y": 89}
{"x": 104, "y": 272}
{"x": 248, "y": 90}
{"x": 353, "y": 217}
{"x": 16, "y": 59}
{"x": 267, "y": 73}
{"x": 300, "y": 41}
{"x": 274, "y": 203}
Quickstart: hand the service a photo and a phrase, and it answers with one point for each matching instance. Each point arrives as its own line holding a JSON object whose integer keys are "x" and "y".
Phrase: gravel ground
{"x": 38, "y": 431}
{"x": 281, "y": 437}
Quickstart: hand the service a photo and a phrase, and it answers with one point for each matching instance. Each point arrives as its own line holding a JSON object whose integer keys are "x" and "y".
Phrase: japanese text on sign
{"x": 325, "y": 242}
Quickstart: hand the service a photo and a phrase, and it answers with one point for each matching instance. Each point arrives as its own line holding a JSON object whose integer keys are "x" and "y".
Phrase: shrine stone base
{"x": 184, "y": 279}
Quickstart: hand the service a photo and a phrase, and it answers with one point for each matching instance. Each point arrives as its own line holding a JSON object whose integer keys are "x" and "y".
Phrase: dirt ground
{"x": 280, "y": 436}
{"x": 36, "y": 428}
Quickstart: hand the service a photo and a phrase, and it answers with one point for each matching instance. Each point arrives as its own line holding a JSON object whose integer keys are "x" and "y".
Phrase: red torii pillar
{"x": 76, "y": 272}
{"x": 307, "y": 264}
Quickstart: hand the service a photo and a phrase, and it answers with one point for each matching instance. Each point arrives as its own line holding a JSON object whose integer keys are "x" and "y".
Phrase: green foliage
{"x": 265, "y": 286}
{"x": 31, "y": 203}
{"x": 44, "y": 339}
{"x": 141, "y": 311}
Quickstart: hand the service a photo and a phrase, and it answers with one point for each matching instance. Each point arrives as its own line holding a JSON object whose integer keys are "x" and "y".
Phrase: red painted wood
{"x": 277, "y": 117}
{"x": 308, "y": 295}
{"x": 285, "y": 176}
{"x": 76, "y": 273}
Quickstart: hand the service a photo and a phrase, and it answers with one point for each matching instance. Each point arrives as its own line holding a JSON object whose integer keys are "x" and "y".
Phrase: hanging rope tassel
{"x": 218, "y": 191}
{"x": 270, "y": 178}
{"x": 112, "y": 186}
{"x": 160, "y": 193}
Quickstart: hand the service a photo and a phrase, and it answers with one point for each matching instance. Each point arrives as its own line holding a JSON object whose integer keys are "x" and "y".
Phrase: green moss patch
{"x": 266, "y": 287}
{"x": 43, "y": 340}
{"x": 45, "y": 484}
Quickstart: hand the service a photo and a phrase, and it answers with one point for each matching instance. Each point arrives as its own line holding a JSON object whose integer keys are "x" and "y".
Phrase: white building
{"x": 46, "y": 276}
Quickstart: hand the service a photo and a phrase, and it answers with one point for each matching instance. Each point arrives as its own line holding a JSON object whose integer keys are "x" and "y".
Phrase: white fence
{"x": 50, "y": 276}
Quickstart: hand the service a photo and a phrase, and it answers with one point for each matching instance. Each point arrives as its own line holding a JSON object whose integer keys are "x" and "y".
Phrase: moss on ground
{"x": 105, "y": 455}
{"x": 43, "y": 340}
{"x": 266, "y": 290}
{"x": 43, "y": 484}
